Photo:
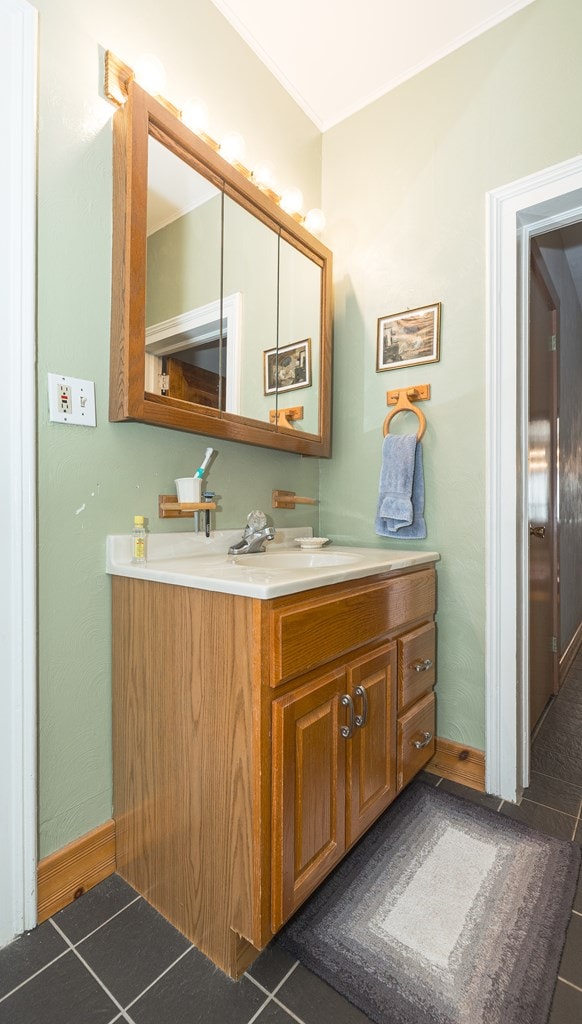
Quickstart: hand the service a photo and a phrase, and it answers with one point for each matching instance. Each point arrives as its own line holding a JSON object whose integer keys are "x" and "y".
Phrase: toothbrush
{"x": 207, "y": 457}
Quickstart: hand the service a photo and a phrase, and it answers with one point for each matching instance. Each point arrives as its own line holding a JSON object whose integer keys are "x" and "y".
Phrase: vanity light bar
{"x": 117, "y": 77}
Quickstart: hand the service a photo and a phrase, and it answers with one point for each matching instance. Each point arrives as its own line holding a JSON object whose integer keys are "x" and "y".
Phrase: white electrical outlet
{"x": 71, "y": 400}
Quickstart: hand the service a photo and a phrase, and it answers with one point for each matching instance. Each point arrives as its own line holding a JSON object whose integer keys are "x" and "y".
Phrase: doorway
{"x": 542, "y": 489}
{"x": 516, "y": 212}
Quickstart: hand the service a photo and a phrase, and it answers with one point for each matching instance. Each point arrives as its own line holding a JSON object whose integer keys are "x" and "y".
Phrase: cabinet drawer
{"x": 416, "y": 658}
{"x": 415, "y": 727}
{"x": 309, "y": 632}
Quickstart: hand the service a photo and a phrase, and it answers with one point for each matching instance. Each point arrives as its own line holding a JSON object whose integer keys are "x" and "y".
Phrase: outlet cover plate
{"x": 82, "y": 400}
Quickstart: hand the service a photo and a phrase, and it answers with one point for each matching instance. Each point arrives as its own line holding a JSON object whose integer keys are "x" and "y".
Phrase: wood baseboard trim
{"x": 459, "y": 763}
{"x": 76, "y": 868}
{"x": 570, "y": 653}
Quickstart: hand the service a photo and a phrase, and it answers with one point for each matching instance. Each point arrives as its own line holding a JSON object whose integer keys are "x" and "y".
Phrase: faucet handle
{"x": 256, "y": 520}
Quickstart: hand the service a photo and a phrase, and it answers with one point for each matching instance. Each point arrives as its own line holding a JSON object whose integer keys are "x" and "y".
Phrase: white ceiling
{"x": 336, "y": 56}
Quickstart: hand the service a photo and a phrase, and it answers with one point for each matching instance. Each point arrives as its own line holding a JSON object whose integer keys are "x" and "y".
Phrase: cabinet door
{"x": 308, "y": 790}
{"x": 371, "y": 767}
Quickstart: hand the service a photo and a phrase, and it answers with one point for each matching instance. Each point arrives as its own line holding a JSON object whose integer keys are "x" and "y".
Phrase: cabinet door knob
{"x": 424, "y": 742}
{"x": 361, "y": 720}
{"x": 348, "y": 730}
{"x": 422, "y": 666}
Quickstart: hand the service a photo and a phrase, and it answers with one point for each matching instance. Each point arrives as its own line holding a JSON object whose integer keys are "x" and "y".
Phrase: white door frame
{"x": 556, "y": 195}
{"x": 18, "y": 812}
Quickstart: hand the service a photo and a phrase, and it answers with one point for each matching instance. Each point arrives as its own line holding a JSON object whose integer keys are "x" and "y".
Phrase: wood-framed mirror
{"x": 221, "y": 302}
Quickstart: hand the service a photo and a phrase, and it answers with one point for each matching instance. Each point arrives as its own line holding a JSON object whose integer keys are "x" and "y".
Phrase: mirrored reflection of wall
{"x": 299, "y": 320}
{"x": 251, "y": 268}
{"x": 184, "y": 275}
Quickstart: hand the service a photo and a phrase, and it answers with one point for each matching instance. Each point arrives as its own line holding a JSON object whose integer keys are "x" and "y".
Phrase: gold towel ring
{"x": 405, "y": 405}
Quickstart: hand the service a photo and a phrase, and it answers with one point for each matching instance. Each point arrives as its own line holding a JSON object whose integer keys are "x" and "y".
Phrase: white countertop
{"x": 193, "y": 560}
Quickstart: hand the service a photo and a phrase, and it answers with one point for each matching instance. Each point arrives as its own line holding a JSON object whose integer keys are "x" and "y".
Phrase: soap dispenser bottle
{"x": 138, "y": 550}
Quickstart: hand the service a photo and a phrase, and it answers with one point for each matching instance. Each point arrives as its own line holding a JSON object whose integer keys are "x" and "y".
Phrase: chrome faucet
{"x": 256, "y": 534}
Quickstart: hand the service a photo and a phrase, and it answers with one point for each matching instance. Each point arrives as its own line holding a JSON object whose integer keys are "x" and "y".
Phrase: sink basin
{"x": 295, "y": 559}
{"x": 194, "y": 560}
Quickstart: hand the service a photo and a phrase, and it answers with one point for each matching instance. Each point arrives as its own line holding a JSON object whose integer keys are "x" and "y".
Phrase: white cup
{"x": 188, "y": 489}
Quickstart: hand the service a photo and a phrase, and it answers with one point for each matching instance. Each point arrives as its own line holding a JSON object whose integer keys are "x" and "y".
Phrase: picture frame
{"x": 408, "y": 338}
{"x": 288, "y": 368}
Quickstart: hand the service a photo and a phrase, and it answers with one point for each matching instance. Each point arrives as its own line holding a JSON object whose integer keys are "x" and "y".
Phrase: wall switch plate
{"x": 71, "y": 400}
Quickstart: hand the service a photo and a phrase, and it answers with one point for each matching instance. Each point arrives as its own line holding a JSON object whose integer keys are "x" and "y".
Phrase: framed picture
{"x": 288, "y": 368}
{"x": 408, "y": 338}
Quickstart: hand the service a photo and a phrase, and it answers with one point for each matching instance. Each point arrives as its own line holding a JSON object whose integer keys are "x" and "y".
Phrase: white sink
{"x": 188, "y": 559}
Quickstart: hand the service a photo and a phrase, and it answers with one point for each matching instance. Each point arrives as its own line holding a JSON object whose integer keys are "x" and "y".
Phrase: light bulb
{"x": 291, "y": 200}
{"x": 150, "y": 74}
{"x": 195, "y": 115}
{"x": 314, "y": 221}
{"x": 263, "y": 175}
{"x": 232, "y": 147}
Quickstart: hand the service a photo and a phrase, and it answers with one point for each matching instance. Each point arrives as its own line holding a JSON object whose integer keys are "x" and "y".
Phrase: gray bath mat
{"x": 445, "y": 913}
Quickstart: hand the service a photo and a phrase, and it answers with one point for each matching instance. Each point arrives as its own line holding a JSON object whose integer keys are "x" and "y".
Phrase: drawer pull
{"x": 361, "y": 720}
{"x": 422, "y": 666}
{"x": 424, "y": 742}
{"x": 348, "y": 730}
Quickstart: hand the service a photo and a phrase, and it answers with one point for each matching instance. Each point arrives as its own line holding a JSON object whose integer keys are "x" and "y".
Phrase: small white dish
{"x": 311, "y": 543}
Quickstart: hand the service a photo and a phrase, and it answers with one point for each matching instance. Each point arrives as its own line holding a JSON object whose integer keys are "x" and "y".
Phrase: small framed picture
{"x": 408, "y": 338}
{"x": 288, "y": 368}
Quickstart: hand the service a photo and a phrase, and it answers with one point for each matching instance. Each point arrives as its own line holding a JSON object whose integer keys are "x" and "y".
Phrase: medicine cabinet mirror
{"x": 221, "y": 302}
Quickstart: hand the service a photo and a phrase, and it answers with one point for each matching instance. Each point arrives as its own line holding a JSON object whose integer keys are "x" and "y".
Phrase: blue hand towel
{"x": 401, "y": 493}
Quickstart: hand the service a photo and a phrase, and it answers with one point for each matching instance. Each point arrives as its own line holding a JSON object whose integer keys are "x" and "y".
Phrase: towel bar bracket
{"x": 418, "y": 393}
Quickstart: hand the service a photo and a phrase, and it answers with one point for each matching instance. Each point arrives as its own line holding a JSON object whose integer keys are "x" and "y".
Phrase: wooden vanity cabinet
{"x": 235, "y": 791}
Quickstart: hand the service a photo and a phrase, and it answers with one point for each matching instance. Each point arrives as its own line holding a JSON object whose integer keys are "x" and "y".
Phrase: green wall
{"x": 92, "y": 481}
{"x": 404, "y": 184}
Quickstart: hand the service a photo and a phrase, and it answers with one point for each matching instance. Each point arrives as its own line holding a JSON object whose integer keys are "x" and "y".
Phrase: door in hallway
{"x": 542, "y": 477}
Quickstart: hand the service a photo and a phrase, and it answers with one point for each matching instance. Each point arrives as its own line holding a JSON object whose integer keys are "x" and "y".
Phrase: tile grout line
{"x": 548, "y": 807}
{"x": 155, "y": 981}
{"x": 536, "y": 771}
{"x": 70, "y": 948}
{"x": 288, "y": 1010}
{"x": 258, "y": 984}
{"x": 279, "y": 983}
{"x": 257, "y": 1014}
{"x": 147, "y": 988}
{"x": 102, "y": 925}
{"x": 577, "y": 821}
{"x": 271, "y": 995}
{"x": 570, "y": 983}
{"x": 90, "y": 970}
{"x": 36, "y": 974}
{"x": 285, "y": 977}
{"x": 277, "y": 989}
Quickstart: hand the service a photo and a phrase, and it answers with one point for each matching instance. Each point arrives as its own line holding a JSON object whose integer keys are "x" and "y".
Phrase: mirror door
{"x": 221, "y": 304}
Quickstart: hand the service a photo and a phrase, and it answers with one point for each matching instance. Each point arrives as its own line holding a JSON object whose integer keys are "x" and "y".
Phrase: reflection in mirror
{"x": 205, "y": 318}
{"x": 300, "y": 291}
{"x": 185, "y": 334}
{"x": 250, "y": 257}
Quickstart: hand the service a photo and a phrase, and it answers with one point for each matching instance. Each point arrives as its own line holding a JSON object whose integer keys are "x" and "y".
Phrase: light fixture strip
{"x": 117, "y": 77}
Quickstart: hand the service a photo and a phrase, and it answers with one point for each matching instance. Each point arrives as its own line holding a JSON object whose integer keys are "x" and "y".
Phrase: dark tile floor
{"x": 109, "y": 957}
